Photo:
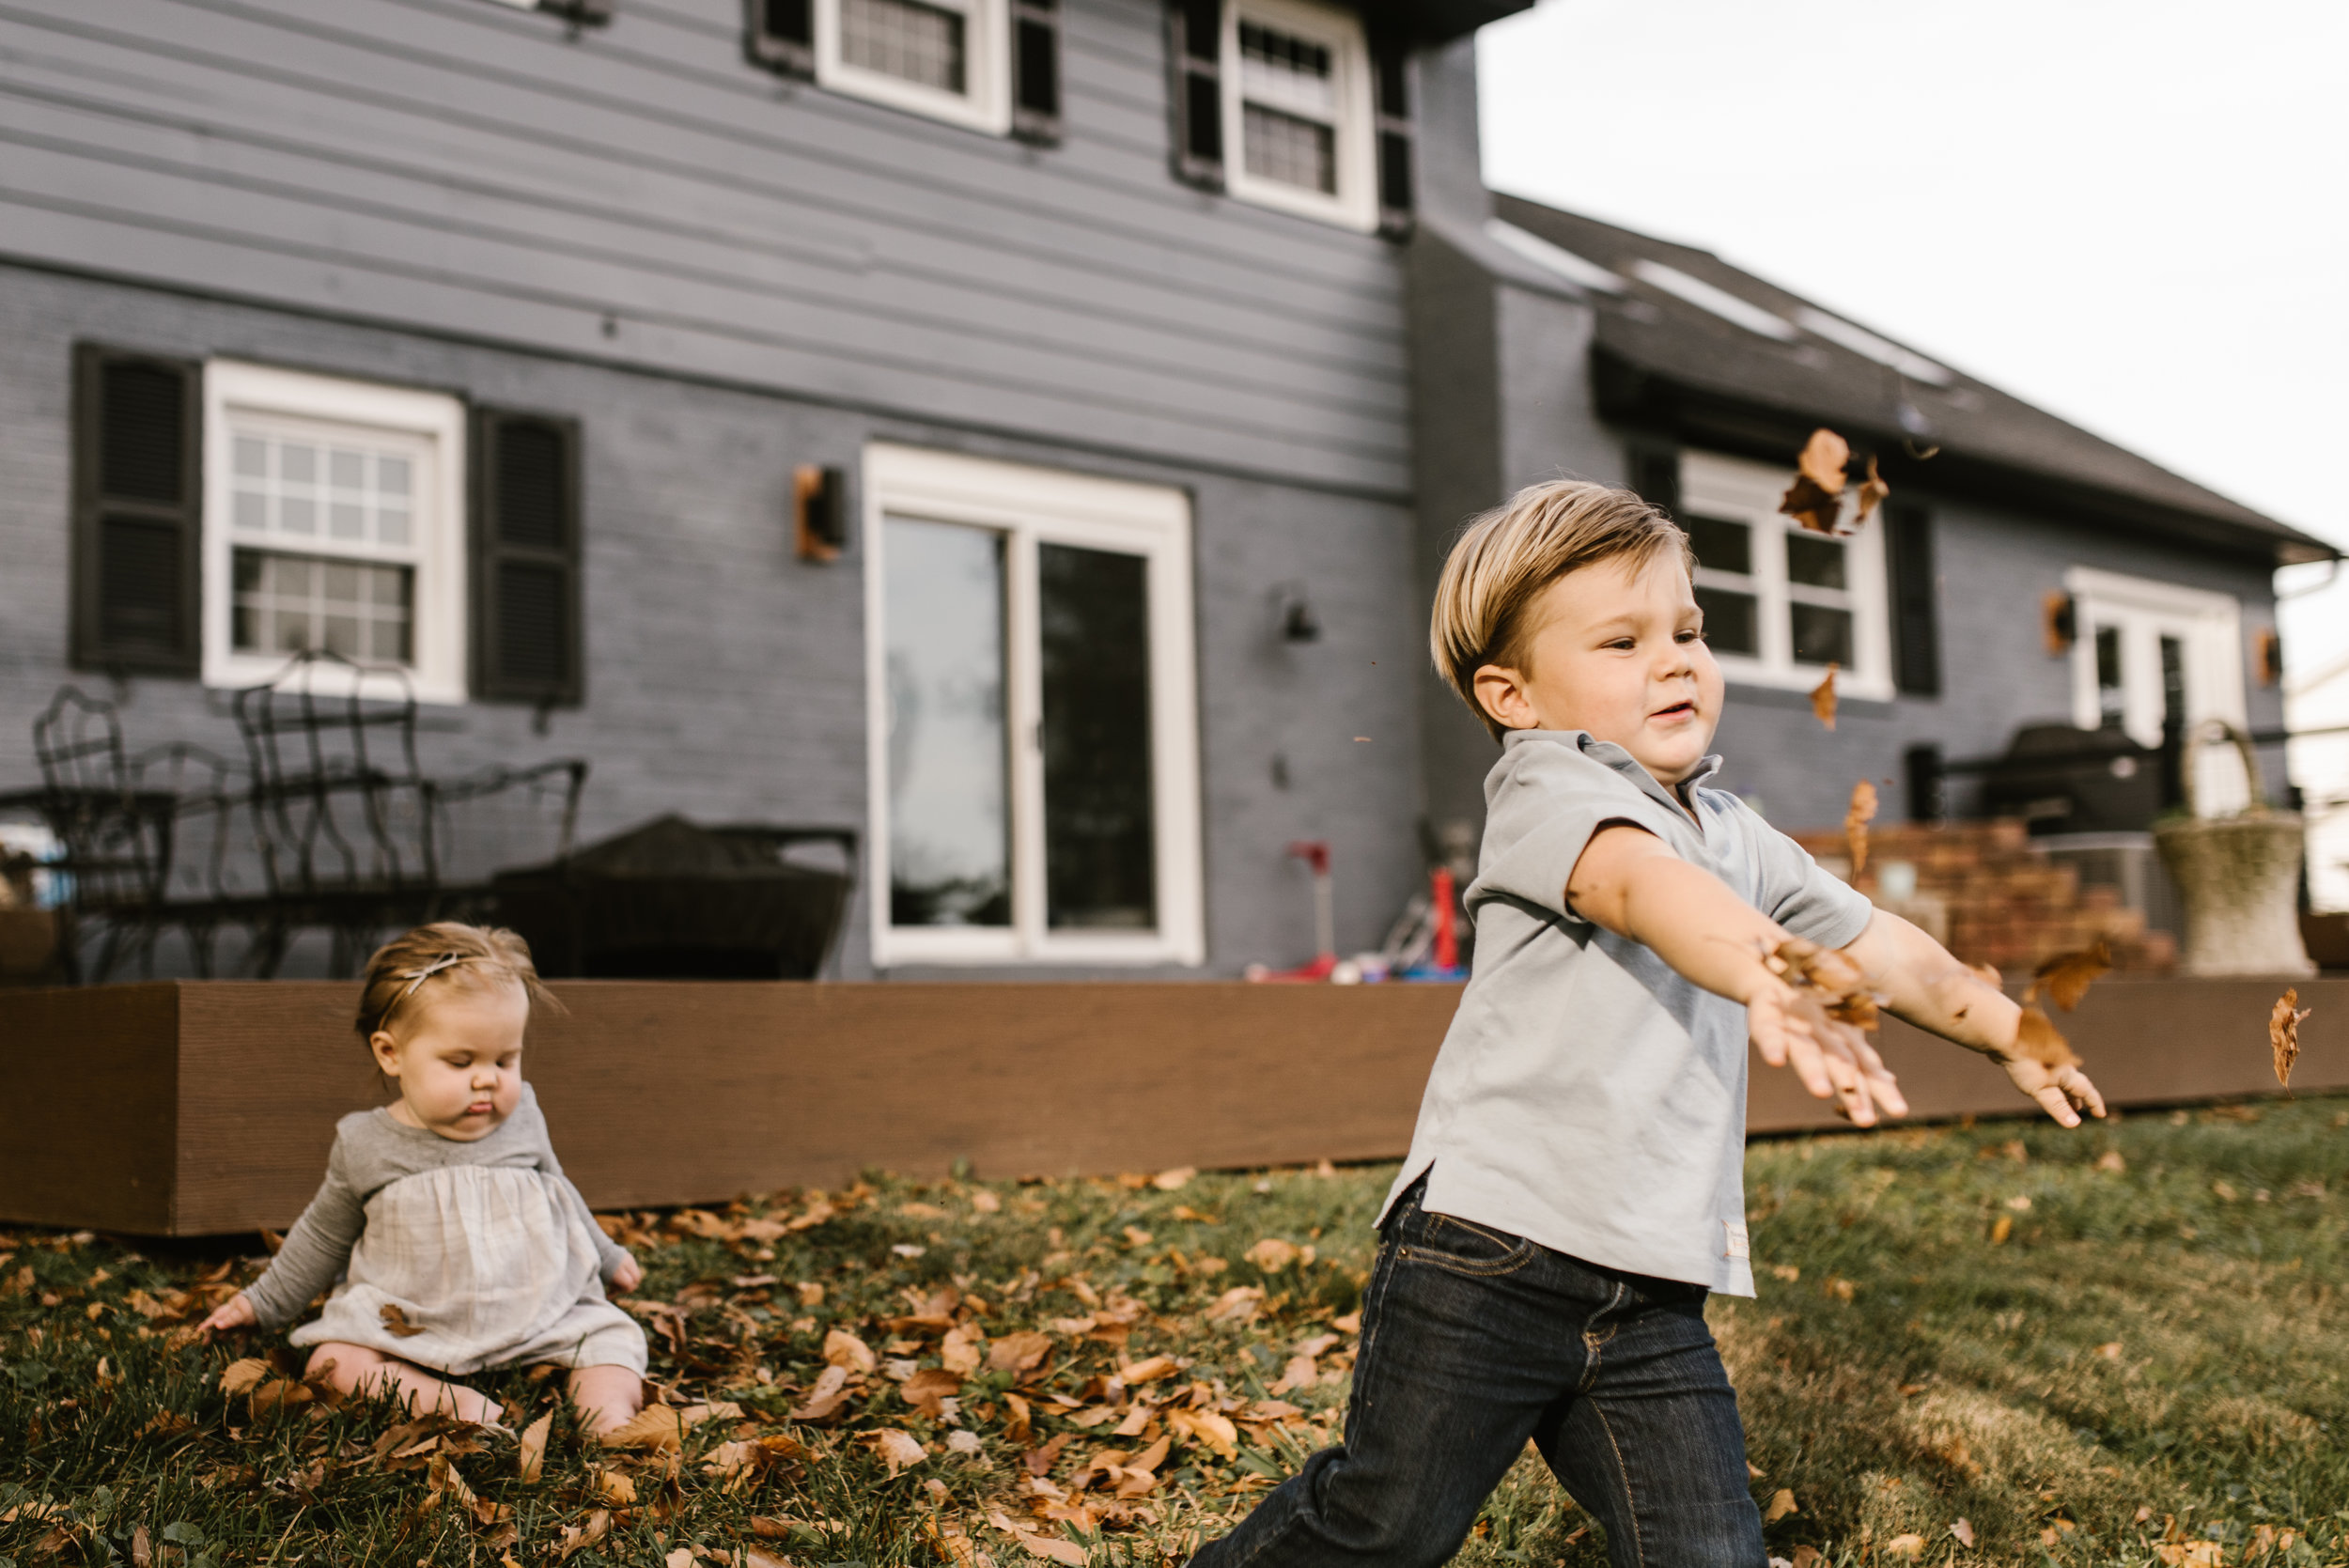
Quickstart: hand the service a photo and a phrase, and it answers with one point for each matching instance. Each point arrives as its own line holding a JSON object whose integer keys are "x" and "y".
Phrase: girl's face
{"x": 457, "y": 1060}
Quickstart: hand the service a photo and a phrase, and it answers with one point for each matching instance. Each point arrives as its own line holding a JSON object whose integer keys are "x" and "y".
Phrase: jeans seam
{"x": 1622, "y": 1472}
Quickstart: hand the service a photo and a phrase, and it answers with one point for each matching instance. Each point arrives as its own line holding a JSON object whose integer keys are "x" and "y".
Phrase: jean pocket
{"x": 1463, "y": 1247}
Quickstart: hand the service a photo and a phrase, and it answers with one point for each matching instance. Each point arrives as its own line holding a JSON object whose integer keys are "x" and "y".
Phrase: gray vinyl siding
{"x": 640, "y": 195}
{"x": 724, "y": 678}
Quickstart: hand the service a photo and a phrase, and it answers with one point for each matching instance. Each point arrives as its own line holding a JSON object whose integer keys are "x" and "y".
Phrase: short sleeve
{"x": 1799, "y": 894}
{"x": 1539, "y": 816}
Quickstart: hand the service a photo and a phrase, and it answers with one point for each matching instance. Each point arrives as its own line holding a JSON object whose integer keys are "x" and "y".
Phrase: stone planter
{"x": 2238, "y": 877}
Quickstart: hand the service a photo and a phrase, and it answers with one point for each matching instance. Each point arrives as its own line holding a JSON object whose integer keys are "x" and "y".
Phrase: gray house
{"x": 1022, "y": 431}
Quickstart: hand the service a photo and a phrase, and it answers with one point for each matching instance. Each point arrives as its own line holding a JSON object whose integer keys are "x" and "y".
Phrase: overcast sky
{"x": 2134, "y": 215}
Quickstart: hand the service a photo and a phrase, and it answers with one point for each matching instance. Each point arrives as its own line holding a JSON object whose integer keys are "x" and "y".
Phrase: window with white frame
{"x": 1298, "y": 117}
{"x": 944, "y": 59}
{"x": 333, "y": 520}
{"x": 2150, "y": 658}
{"x": 1035, "y": 775}
{"x": 1781, "y": 602}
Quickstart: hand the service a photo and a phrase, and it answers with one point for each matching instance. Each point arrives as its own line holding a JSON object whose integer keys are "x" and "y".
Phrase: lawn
{"x": 2123, "y": 1345}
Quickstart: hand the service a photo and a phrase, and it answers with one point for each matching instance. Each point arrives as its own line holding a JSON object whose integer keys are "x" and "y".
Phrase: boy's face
{"x": 1617, "y": 649}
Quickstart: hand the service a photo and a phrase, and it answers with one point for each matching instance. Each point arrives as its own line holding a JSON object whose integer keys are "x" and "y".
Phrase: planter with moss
{"x": 2238, "y": 875}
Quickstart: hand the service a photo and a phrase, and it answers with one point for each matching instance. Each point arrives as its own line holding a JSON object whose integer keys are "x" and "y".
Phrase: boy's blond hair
{"x": 444, "y": 955}
{"x": 1505, "y": 559}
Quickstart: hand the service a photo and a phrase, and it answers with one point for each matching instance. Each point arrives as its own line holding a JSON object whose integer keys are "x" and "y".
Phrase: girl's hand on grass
{"x": 2063, "y": 1092}
{"x": 1834, "y": 1060}
{"x": 628, "y": 1273}
{"x": 235, "y": 1312}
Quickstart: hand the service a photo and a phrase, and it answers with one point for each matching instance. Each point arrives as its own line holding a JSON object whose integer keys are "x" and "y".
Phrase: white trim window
{"x": 334, "y": 518}
{"x": 1298, "y": 119}
{"x": 1782, "y": 602}
{"x": 948, "y": 59}
{"x": 2147, "y": 654}
{"x": 1034, "y": 783}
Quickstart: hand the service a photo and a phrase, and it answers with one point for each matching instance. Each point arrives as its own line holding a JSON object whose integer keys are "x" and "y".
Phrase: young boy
{"x": 1574, "y": 1185}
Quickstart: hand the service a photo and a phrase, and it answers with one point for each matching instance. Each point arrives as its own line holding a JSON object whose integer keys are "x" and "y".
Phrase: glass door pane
{"x": 949, "y": 810}
{"x": 1100, "y": 860}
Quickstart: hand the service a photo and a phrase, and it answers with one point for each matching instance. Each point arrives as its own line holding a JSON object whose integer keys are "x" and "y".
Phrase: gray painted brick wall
{"x": 724, "y": 678}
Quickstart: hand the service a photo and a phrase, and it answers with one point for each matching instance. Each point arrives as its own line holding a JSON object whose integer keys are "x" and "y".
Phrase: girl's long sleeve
{"x": 316, "y": 1251}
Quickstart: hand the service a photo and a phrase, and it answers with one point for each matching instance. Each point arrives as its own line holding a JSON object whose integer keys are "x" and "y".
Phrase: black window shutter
{"x": 781, "y": 35}
{"x": 1035, "y": 70}
{"x": 1195, "y": 33}
{"x": 1656, "y": 477}
{"x": 1916, "y": 600}
{"x": 526, "y": 558}
{"x": 1391, "y": 74}
{"x": 137, "y": 511}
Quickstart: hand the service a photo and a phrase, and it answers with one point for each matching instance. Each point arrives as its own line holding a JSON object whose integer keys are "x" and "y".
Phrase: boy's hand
{"x": 628, "y": 1273}
{"x": 1834, "y": 1060}
{"x": 235, "y": 1312}
{"x": 2063, "y": 1092}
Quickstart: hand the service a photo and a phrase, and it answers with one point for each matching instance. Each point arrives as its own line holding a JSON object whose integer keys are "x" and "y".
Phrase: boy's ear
{"x": 1500, "y": 692}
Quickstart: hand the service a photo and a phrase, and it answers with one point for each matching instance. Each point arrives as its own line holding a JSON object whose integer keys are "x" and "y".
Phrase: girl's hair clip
{"x": 417, "y": 977}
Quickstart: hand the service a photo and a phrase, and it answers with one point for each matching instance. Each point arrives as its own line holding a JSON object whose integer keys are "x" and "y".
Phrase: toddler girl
{"x": 459, "y": 1242}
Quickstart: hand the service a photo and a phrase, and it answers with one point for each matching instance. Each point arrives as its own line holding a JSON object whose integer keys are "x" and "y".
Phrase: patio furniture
{"x": 350, "y": 831}
{"x": 671, "y": 900}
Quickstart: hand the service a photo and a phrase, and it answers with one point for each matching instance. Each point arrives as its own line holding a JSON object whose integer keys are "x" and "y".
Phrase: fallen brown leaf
{"x": 396, "y": 1322}
{"x": 1239, "y": 1304}
{"x": 1856, "y": 816}
{"x": 532, "y": 1455}
{"x": 2066, "y": 977}
{"x": 959, "y": 1351}
{"x": 1823, "y": 697}
{"x": 239, "y": 1376}
{"x": 1781, "y": 1503}
{"x": 1175, "y": 1180}
{"x": 926, "y": 1389}
{"x": 897, "y": 1448}
{"x": 1209, "y": 1427}
{"x": 656, "y": 1426}
{"x": 1906, "y": 1546}
{"x": 2283, "y": 1033}
{"x": 824, "y": 1401}
{"x": 1272, "y": 1254}
{"x": 142, "y": 1549}
{"x": 577, "y": 1538}
{"x": 844, "y": 1349}
{"x": 2001, "y": 1228}
{"x": 1019, "y": 1353}
{"x": 1020, "y": 1428}
{"x": 1963, "y": 1531}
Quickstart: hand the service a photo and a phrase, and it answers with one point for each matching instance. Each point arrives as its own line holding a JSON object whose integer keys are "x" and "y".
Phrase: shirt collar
{"x": 1608, "y": 754}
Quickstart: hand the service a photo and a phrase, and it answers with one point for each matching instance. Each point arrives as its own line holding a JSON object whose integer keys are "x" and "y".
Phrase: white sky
{"x": 2134, "y": 215}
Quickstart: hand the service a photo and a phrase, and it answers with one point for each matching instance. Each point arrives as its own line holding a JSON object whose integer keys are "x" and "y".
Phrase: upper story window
{"x": 1034, "y": 727}
{"x": 1285, "y": 103}
{"x": 1782, "y": 603}
{"x": 990, "y": 65}
{"x": 334, "y": 518}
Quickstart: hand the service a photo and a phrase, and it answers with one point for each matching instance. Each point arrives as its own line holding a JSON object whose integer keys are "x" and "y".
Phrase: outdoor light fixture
{"x": 1299, "y": 623}
{"x": 819, "y": 506}
{"x": 2059, "y": 622}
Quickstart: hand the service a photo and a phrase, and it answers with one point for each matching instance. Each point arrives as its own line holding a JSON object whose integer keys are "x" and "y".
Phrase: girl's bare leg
{"x": 606, "y": 1397}
{"x": 356, "y": 1369}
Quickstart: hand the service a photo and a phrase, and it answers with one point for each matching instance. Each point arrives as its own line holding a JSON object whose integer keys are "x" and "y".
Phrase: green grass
{"x": 2164, "y": 1339}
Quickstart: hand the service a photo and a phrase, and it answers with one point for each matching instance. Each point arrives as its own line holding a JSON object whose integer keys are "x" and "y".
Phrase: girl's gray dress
{"x": 486, "y": 1248}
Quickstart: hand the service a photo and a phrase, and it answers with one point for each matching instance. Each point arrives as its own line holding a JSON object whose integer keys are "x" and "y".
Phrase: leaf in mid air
{"x": 1873, "y": 489}
{"x": 1823, "y": 697}
{"x": 1856, "y": 816}
{"x": 2037, "y": 1037}
{"x": 2283, "y": 1033}
{"x": 2066, "y": 977}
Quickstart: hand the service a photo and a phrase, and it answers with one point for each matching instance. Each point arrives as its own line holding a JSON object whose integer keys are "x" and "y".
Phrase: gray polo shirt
{"x": 1587, "y": 1097}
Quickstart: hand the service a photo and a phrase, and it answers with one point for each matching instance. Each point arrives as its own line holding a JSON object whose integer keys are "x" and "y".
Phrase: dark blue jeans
{"x": 1474, "y": 1340}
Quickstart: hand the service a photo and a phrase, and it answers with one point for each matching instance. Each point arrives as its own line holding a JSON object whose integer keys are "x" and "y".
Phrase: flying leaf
{"x": 1825, "y": 457}
{"x": 1873, "y": 490}
{"x": 2037, "y": 1037}
{"x": 1816, "y": 499}
{"x": 396, "y": 1322}
{"x": 2283, "y": 1034}
{"x": 533, "y": 1454}
{"x": 1823, "y": 697}
{"x": 897, "y": 1448}
{"x": 2066, "y": 977}
{"x": 1781, "y": 1503}
{"x": 1856, "y": 816}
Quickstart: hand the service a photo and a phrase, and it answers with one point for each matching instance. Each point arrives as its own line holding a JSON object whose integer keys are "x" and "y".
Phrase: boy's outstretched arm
{"x": 1923, "y": 984}
{"x": 1628, "y": 881}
